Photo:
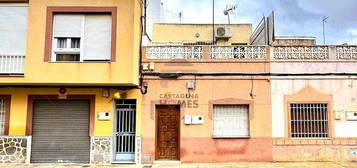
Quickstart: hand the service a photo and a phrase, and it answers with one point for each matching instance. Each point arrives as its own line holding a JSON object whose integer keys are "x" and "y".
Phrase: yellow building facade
{"x": 75, "y": 69}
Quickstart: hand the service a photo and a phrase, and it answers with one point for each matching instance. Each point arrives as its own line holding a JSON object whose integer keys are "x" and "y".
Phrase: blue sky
{"x": 293, "y": 17}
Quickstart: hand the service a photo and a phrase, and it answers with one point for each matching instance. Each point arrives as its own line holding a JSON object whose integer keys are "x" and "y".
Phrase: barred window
{"x": 3, "y": 104}
{"x": 309, "y": 120}
{"x": 230, "y": 121}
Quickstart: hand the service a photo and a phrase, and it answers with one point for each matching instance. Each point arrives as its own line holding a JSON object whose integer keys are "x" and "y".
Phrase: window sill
{"x": 12, "y": 75}
{"x": 80, "y": 62}
{"x": 328, "y": 138}
{"x": 231, "y": 137}
{"x": 123, "y": 162}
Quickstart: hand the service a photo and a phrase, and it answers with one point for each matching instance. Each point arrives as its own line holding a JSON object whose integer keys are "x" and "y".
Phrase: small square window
{"x": 68, "y": 49}
{"x": 75, "y": 42}
{"x": 61, "y": 42}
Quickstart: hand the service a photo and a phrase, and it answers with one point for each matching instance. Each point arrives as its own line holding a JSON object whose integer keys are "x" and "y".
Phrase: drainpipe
{"x": 142, "y": 85}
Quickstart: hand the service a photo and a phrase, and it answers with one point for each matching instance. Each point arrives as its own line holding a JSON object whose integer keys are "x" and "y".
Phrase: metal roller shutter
{"x": 60, "y": 131}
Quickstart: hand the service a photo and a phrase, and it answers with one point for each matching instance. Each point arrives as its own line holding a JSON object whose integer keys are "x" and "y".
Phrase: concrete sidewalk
{"x": 201, "y": 165}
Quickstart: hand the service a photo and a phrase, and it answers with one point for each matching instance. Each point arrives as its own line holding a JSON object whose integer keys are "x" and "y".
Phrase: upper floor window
{"x": 81, "y": 37}
{"x": 309, "y": 120}
{"x": 230, "y": 121}
{"x": 13, "y": 29}
{"x": 13, "y": 37}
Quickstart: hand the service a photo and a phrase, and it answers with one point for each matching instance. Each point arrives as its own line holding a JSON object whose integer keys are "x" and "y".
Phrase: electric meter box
{"x": 338, "y": 114}
{"x": 197, "y": 119}
{"x": 187, "y": 119}
{"x": 191, "y": 84}
{"x": 103, "y": 116}
{"x": 351, "y": 115}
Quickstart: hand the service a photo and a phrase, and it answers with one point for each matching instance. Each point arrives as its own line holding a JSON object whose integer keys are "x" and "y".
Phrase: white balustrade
{"x": 12, "y": 64}
{"x": 238, "y": 52}
{"x": 300, "y": 52}
{"x": 174, "y": 52}
{"x": 346, "y": 52}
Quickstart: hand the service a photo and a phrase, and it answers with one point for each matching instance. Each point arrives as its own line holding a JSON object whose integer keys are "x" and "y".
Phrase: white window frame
{"x": 214, "y": 135}
{"x": 69, "y": 50}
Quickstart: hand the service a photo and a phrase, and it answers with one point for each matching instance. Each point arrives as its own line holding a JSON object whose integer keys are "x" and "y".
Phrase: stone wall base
{"x": 14, "y": 149}
{"x": 101, "y": 150}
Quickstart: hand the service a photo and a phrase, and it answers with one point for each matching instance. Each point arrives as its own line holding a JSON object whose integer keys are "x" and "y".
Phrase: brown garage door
{"x": 60, "y": 131}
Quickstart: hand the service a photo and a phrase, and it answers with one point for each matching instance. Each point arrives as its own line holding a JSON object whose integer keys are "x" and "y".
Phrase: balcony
{"x": 238, "y": 52}
{"x": 275, "y": 53}
{"x": 206, "y": 59}
{"x": 12, "y": 64}
{"x": 313, "y": 59}
{"x": 206, "y": 52}
{"x": 317, "y": 53}
{"x": 174, "y": 52}
{"x": 251, "y": 59}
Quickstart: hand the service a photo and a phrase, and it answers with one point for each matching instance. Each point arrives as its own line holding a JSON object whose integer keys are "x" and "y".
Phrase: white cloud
{"x": 352, "y": 32}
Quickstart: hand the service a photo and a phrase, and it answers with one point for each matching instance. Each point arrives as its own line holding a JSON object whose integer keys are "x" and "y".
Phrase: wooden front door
{"x": 168, "y": 127}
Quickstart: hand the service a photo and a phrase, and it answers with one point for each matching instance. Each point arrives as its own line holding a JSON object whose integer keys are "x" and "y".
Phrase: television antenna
{"x": 229, "y": 10}
{"x": 324, "y": 20}
{"x": 181, "y": 16}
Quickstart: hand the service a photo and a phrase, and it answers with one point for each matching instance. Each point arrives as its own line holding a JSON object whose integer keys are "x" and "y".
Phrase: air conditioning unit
{"x": 223, "y": 32}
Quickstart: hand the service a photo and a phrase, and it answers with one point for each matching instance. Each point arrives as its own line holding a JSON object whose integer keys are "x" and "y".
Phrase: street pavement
{"x": 198, "y": 165}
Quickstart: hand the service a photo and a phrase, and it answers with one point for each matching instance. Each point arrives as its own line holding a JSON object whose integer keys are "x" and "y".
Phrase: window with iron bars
{"x": 309, "y": 120}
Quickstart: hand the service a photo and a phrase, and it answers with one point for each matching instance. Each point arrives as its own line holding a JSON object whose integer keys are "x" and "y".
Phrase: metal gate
{"x": 124, "y": 132}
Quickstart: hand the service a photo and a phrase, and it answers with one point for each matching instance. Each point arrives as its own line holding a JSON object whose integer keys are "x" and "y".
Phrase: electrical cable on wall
{"x": 251, "y": 94}
{"x": 142, "y": 86}
{"x": 177, "y": 75}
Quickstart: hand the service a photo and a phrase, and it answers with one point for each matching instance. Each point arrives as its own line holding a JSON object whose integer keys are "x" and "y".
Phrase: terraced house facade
{"x": 285, "y": 100}
{"x": 220, "y": 118}
{"x": 77, "y": 86}
{"x": 69, "y": 78}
